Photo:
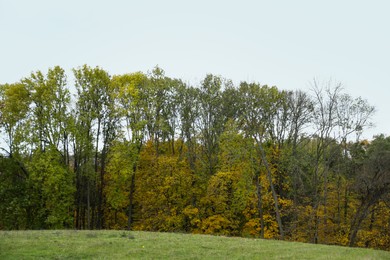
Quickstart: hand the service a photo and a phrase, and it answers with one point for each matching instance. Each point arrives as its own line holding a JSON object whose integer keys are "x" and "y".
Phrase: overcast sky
{"x": 282, "y": 43}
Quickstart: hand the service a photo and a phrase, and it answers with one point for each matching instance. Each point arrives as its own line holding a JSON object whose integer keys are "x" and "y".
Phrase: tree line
{"x": 144, "y": 151}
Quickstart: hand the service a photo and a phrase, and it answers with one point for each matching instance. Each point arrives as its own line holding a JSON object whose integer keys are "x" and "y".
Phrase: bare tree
{"x": 325, "y": 120}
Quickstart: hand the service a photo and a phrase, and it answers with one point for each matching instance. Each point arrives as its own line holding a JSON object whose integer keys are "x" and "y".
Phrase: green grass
{"x": 69, "y": 244}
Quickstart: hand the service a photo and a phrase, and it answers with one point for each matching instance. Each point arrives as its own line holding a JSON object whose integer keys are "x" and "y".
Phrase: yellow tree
{"x": 164, "y": 188}
{"x": 228, "y": 190}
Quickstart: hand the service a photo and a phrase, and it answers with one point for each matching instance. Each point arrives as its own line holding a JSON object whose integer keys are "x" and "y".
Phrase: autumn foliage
{"x": 148, "y": 152}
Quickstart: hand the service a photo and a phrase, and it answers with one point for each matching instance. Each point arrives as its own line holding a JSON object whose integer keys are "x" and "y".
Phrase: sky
{"x": 279, "y": 43}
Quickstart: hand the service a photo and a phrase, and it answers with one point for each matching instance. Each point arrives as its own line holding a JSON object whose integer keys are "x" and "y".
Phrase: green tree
{"x": 118, "y": 180}
{"x": 50, "y": 182}
{"x": 211, "y": 120}
{"x": 52, "y": 190}
{"x": 189, "y": 108}
{"x": 50, "y": 107}
{"x": 353, "y": 117}
{"x": 15, "y": 102}
{"x": 95, "y": 126}
{"x": 132, "y": 99}
{"x": 14, "y": 195}
{"x": 372, "y": 183}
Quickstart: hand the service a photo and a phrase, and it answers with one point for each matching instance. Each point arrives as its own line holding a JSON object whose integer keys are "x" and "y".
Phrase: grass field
{"x": 69, "y": 244}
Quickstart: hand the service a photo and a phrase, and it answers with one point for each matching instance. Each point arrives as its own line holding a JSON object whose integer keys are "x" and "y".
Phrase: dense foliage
{"x": 148, "y": 152}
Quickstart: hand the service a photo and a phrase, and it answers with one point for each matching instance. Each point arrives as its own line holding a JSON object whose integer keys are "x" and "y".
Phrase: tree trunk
{"x": 260, "y": 203}
{"x": 101, "y": 198}
{"x": 78, "y": 195}
{"x": 99, "y": 187}
{"x": 346, "y": 204}
{"x": 325, "y": 217}
{"x": 274, "y": 195}
{"x": 316, "y": 200}
{"x": 361, "y": 214}
{"x": 316, "y": 224}
{"x": 88, "y": 207}
{"x": 131, "y": 196}
{"x": 338, "y": 218}
{"x": 370, "y": 227}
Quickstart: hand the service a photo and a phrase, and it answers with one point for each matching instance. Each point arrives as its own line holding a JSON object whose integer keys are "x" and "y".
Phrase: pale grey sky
{"x": 282, "y": 43}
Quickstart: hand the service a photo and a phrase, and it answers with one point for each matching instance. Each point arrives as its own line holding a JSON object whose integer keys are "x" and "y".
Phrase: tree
{"x": 228, "y": 190}
{"x": 325, "y": 121}
{"x": 14, "y": 195}
{"x": 372, "y": 183}
{"x": 52, "y": 190}
{"x": 95, "y": 122}
{"x": 211, "y": 121}
{"x": 50, "y": 181}
{"x": 300, "y": 108}
{"x": 15, "y": 102}
{"x": 149, "y": 152}
{"x": 260, "y": 105}
{"x": 132, "y": 99}
{"x": 118, "y": 183}
{"x": 163, "y": 190}
{"x": 189, "y": 108}
{"x": 50, "y": 107}
{"x": 353, "y": 117}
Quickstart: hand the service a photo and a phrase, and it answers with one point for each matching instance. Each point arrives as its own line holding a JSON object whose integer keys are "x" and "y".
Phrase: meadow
{"x": 72, "y": 244}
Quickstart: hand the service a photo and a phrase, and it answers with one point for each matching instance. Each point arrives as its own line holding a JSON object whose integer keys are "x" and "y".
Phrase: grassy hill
{"x": 52, "y": 244}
